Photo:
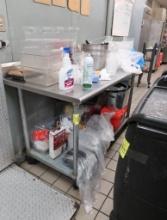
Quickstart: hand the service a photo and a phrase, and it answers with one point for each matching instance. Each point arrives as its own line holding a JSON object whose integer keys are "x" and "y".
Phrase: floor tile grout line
{"x": 57, "y": 179}
{"x": 102, "y": 213}
{"x": 110, "y": 191}
{"x": 107, "y": 181}
{"x": 111, "y": 169}
{"x": 108, "y": 163}
{"x": 43, "y": 173}
{"x": 103, "y": 204}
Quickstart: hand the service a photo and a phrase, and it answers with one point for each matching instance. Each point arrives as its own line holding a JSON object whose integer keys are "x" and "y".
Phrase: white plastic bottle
{"x": 66, "y": 74}
{"x": 88, "y": 69}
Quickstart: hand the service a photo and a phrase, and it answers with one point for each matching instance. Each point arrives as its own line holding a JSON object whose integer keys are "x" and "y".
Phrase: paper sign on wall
{"x": 74, "y": 5}
{"x": 2, "y": 24}
{"x": 46, "y": 2}
{"x": 85, "y": 7}
{"x": 79, "y": 6}
{"x": 61, "y": 3}
{"x": 122, "y": 17}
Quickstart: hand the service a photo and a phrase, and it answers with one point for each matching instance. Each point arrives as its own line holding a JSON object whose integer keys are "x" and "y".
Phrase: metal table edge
{"x": 21, "y": 85}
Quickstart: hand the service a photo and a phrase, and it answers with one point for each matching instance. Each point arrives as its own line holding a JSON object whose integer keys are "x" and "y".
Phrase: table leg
{"x": 76, "y": 120}
{"x": 24, "y": 119}
{"x": 131, "y": 95}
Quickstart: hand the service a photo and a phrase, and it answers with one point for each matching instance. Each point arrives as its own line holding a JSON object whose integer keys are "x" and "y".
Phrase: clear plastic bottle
{"x": 66, "y": 74}
{"x": 88, "y": 69}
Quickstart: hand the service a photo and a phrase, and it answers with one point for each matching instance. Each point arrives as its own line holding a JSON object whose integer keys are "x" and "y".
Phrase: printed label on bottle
{"x": 69, "y": 82}
{"x": 88, "y": 74}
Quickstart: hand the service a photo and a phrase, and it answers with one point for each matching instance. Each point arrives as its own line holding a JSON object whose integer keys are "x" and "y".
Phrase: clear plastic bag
{"x": 90, "y": 142}
{"x": 101, "y": 129}
{"x": 131, "y": 61}
{"x": 88, "y": 180}
{"x": 93, "y": 142}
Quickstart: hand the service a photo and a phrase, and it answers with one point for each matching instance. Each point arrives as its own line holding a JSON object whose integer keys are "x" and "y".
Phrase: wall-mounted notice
{"x": 74, "y": 5}
{"x": 122, "y": 17}
{"x": 60, "y": 3}
{"x": 85, "y": 7}
{"x": 46, "y": 2}
{"x": 2, "y": 24}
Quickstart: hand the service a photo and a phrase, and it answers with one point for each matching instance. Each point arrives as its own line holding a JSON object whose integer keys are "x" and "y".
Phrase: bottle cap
{"x": 67, "y": 50}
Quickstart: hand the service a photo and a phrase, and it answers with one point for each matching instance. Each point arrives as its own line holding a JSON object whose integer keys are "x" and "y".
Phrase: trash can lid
{"x": 120, "y": 87}
{"x": 152, "y": 111}
{"x": 156, "y": 104}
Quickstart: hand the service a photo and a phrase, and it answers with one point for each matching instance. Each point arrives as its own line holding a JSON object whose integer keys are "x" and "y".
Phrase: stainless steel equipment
{"x": 98, "y": 52}
{"x": 35, "y": 101}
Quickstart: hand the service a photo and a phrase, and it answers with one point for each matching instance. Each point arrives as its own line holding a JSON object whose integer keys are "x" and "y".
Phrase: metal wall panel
{"x": 23, "y": 13}
{"x": 6, "y": 148}
{"x": 5, "y": 54}
{"x": 136, "y": 21}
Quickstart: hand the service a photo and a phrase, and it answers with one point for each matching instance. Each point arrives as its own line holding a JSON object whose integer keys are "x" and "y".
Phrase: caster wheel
{"x": 112, "y": 216}
{"x": 31, "y": 160}
{"x": 75, "y": 186}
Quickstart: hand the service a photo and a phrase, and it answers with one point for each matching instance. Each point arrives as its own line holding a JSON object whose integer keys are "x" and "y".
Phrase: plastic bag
{"x": 88, "y": 180}
{"x": 93, "y": 142}
{"x": 112, "y": 63}
{"x": 90, "y": 142}
{"x": 115, "y": 116}
{"x": 102, "y": 129}
{"x": 131, "y": 61}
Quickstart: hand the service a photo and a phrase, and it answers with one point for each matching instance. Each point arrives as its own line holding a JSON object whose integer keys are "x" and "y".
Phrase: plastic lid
{"x": 67, "y": 50}
{"x": 156, "y": 104}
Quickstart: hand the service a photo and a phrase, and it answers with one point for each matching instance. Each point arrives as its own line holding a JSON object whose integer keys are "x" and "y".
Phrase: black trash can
{"x": 140, "y": 191}
{"x": 118, "y": 95}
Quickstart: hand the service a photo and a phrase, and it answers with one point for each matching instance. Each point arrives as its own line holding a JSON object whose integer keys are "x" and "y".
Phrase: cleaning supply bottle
{"x": 88, "y": 69}
{"x": 66, "y": 74}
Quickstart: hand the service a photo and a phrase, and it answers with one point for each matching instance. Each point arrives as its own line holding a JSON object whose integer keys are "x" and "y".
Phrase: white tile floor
{"x": 104, "y": 198}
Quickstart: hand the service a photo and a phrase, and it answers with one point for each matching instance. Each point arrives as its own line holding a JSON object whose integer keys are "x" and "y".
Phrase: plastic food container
{"x": 42, "y": 68}
{"x": 40, "y": 138}
{"x": 41, "y": 60}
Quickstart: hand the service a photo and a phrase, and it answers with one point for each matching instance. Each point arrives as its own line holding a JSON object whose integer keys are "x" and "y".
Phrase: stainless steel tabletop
{"x": 78, "y": 95}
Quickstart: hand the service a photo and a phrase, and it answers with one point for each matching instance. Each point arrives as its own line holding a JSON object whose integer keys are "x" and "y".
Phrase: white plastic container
{"x": 66, "y": 74}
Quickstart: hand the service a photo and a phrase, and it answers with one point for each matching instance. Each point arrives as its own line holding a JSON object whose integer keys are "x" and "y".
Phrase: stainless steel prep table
{"x": 76, "y": 97}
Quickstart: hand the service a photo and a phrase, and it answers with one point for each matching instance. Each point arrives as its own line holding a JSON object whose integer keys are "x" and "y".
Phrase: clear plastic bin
{"x": 42, "y": 69}
{"x": 42, "y": 61}
{"x": 42, "y": 53}
{"x": 42, "y": 46}
{"x": 44, "y": 77}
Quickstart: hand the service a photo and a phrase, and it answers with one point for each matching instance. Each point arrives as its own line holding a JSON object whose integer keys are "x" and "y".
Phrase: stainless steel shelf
{"x": 78, "y": 95}
{"x": 56, "y": 164}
